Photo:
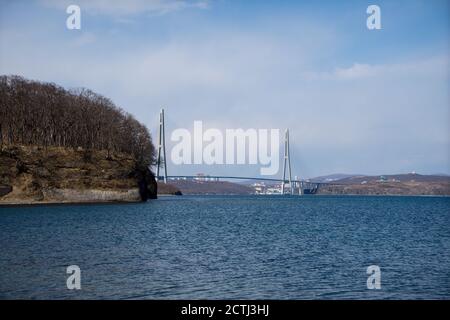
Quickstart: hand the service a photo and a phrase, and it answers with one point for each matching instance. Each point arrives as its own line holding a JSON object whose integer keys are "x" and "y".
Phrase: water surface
{"x": 243, "y": 247}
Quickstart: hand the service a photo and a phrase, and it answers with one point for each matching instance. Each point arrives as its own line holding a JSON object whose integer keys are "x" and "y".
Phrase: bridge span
{"x": 294, "y": 186}
{"x": 298, "y": 187}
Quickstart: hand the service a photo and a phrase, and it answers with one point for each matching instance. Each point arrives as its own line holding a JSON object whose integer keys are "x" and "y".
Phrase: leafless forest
{"x": 45, "y": 114}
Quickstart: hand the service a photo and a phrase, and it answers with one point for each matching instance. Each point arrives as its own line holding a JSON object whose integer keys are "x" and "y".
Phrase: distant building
{"x": 200, "y": 177}
{"x": 260, "y": 187}
{"x": 273, "y": 190}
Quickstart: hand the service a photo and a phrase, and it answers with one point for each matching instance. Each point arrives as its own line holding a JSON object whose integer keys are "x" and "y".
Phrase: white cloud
{"x": 359, "y": 71}
{"x": 358, "y": 117}
{"x": 356, "y": 71}
{"x": 84, "y": 39}
{"x": 128, "y": 7}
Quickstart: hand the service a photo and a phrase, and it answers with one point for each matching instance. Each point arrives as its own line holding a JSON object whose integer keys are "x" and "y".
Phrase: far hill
{"x": 211, "y": 187}
{"x": 393, "y": 184}
{"x": 408, "y": 177}
{"x": 333, "y": 177}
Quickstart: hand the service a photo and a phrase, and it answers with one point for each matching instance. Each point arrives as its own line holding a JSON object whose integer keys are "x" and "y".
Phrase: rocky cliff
{"x": 31, "y": 174}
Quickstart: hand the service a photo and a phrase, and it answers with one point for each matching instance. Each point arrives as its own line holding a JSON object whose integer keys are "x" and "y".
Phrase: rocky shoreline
{"x": 32, "y": 175}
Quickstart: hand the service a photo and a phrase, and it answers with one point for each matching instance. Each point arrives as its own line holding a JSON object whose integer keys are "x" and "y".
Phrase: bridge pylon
{"x": 287, "y": 162}
{"x": 161, "y": 155}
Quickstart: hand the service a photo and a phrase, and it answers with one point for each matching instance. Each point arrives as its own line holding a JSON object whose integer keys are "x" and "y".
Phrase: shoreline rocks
{"x": 33, "y": 174}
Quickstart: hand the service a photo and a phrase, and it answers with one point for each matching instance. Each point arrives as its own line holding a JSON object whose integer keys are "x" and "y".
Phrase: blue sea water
{"x": 230, "y": 247}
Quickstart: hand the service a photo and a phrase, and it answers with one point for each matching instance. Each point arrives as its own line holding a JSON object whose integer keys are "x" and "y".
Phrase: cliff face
{"x": 53, "y": 174}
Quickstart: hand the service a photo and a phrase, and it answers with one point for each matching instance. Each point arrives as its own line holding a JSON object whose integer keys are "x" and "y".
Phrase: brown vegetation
{"x": 389, "y": 188}
{"x": 59, "y": 145}
{"x": 45, "y": 114}
{"x": 168, "y": 188}
{"x": 30, "y": 174}
{"x": 211, "y": 187}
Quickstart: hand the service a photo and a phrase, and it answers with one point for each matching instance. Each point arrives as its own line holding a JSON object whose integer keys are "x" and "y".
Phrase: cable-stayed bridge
{"x": 288, "y": 185}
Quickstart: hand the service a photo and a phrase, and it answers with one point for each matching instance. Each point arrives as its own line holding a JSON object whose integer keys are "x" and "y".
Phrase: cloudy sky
{"x": 355, "y": 100}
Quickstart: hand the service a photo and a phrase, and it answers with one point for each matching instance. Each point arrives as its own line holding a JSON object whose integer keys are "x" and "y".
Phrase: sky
{"x": 356, "y": 101}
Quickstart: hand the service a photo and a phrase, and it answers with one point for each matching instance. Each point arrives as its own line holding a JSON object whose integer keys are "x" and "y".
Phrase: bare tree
{"x": 35, "y": 113}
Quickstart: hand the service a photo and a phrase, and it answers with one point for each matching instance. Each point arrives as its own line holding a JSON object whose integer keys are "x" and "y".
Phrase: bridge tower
{"x": 161, "y": 155}
{"x": 287, "y": 161}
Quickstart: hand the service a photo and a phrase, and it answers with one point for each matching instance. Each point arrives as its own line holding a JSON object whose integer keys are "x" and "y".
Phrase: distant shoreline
{"x": 314, "y": 195}
{"x": 92, "y": 203}
{"x": 62, "y": 203}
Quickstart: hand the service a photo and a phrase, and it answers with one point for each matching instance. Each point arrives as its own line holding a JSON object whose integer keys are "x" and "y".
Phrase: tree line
{"x": 45, "y": 114}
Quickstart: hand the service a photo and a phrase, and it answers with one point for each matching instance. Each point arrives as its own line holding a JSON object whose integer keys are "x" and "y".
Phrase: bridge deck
{"x": 241, "y": 178}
